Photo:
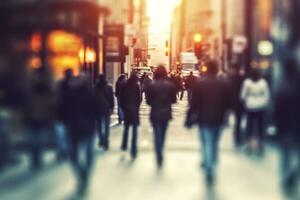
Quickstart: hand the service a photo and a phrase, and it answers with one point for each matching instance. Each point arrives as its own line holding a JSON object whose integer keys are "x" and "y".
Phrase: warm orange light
{"x": 204, "y": 68}
{"x": 167, "y": 49}
{"x": 61, "y": 41}
{"x": 177, "y": 62}
{"x": 35, "y": 62}
{"x": 198, "y": 37}
{"x": 36, "y": 42}
{"x": 90, "y": 55}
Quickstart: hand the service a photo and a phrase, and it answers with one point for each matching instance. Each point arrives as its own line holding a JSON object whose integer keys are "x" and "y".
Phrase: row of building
{"x": 227, "y": 28}
{"x": 91, "y": 36}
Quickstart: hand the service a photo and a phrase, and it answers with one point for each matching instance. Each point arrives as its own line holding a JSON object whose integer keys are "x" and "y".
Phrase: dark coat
{"x": 105, "y": 99}
{"x": 286, "y": 111}
{"x": 130, "y": 102}
{"x": 190, "y": 82}
{"x": 119, "y": 86}
{"x": 236, "y": 81}
{"x": 81, "y": 113}
{"x": 210, "y": 101}
{"x": 160, "y": 95}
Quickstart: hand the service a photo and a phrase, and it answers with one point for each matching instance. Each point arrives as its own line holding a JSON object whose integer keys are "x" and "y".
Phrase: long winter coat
{"x": 131, "y": 98}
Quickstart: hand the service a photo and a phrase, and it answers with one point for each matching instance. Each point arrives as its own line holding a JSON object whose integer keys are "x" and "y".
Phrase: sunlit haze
{"x": 159, "y": 12}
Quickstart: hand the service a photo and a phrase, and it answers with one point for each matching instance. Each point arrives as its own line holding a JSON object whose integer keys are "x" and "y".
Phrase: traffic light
{"x": 198, "y": 45}
{"x": 167, "y": 49}
{"x": 198, "y": 38}
{"x": 198, "y": 50}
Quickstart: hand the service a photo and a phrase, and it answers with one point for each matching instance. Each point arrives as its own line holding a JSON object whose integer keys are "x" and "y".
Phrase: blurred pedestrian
{"x": 146, "y": 82}
{"x": 287, "y": 118}
{"x": 130, "y": 102}
{"x": 80, "y": 120}
{"x": 180, "y": 86}
{"x": 64, "y": 93}
{"x": 40, "y": 114}
{"x": 210, "y": 101}
{"x": 105, "y": 101}
{"x": 236, "y": 80}
{"x": 190, "y": 82}
{"x": 160, "y": 95}
{"x": 255, "y": 94}
{"x": 119, "y": 86}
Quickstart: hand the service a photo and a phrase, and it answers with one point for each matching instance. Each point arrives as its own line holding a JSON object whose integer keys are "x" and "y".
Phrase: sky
{"x": 160, "y": 13}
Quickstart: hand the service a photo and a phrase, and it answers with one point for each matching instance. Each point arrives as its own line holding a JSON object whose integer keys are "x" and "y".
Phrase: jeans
{"x": 120, "y": 111}
{"x": 133, "y": 139}
{"x": 160, "y": 129}
{"x": 104, "y": 124}
{"x": 82, "y": 164}
{"x": 39, "y": 137}
{"x": 210, "y": 136}
{"x": 257, "y": 117}
{"x": 238, "y": 140}
{"x": 62, "y": 140}
{"x": 290, "y": 160}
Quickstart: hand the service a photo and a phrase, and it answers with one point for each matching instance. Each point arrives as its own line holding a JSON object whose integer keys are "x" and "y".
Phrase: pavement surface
{"x": 116, "y": 177}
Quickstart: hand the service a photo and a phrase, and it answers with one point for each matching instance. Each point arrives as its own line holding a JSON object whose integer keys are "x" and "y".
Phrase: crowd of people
{"x": 74, "y": 110}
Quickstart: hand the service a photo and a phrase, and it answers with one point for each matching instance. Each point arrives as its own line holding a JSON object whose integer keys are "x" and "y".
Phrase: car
{"x": 141, "y": 70}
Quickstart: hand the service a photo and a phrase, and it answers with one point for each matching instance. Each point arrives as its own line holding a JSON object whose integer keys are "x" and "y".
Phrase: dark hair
{"x": 133, "y": 78}
{"x": 212, "y": 67}
{"x": 255, "y": 74}
{"x": 101, "y": 80}
{"x": 160, "y": 72}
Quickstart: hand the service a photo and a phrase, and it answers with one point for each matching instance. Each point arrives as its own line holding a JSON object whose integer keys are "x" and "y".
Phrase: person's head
{"x": 160, "y": 72}
{"x": 133, "y": 78}
{"x": 212, "y": 68}
{"x": 101, "y": 80}
{"x": 191, "y": 73}
{"x": 122, "y": 77}
{"x": 255, "y": 74}
{"x": 68, "y": 74}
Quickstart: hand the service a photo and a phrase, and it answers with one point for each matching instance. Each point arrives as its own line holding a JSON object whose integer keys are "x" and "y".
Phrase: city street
{"x": 115, "y": 176}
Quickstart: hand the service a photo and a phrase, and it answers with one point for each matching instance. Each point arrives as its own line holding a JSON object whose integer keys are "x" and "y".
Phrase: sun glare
{"x": 160, "y": 12}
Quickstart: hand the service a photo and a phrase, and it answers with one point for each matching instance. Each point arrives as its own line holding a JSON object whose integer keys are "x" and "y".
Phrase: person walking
{"x": 160, "y": 95}
{"x": 39, "y": 114}
{"x": 105, "y": 102}
{"x": 255, "y": 95}
{"x": 209, "y": 103}
{"x": 190, "y": 82}
{"x": 287, "y": 118}
{"x": 119, "y": 86}
{"x": 80, "y": 117}
{"x": 130, "y": 102}
{"x": 236, "y": 80}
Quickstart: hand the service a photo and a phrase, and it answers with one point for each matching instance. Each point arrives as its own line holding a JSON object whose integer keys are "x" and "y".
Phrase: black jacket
{"x": 105, "y": 98}
{"x": 80, "y": 113}
{"x": 236, "y": 81}
{"x": 190, "y": 82}
{"x": 210, "y": 101}
{"x": 160, "y": 95}
{"x": 130, "y": 99}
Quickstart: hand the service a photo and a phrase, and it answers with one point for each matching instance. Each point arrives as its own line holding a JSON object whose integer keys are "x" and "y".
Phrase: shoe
{"x": 133, "y": 156}
{"x": 160, "y": 161}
